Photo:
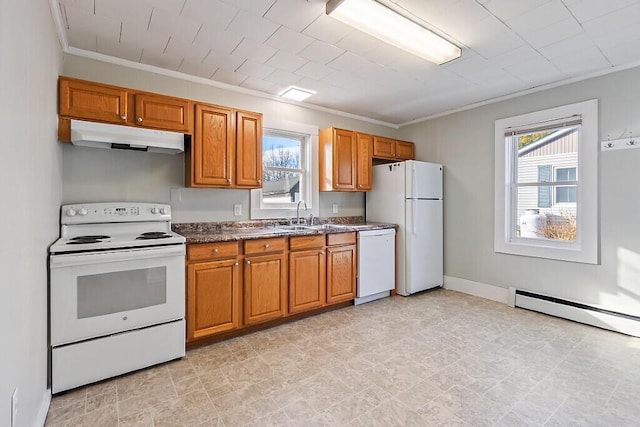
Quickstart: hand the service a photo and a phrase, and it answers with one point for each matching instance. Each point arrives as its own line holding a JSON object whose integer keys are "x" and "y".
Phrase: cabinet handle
{"x": 139, "y": 119}
{"x": 359, "y": 185}
{"x": 229, "y": 180}
{"x": 322, "y": 253}
{"x": 236, "y": 264}
{"x": 259, "y": 181}
{"x": 266, "y": 246}
{"x": 248, "y": 262}
{"x": 123, "y": 117}
{"x": 215, "y": 250}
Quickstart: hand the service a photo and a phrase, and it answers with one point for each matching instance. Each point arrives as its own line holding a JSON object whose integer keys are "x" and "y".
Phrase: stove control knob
{"x": 154, "y": 210}
{"x": 82, "y": 212}
{"x": 70, "y": 212}
{"x": 163, "y": 211}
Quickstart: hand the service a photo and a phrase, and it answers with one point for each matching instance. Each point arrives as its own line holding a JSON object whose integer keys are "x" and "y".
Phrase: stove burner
{"x": 78, "y": 241}
{"x": 153, "y": 235}
{"x": 90, "y": 237}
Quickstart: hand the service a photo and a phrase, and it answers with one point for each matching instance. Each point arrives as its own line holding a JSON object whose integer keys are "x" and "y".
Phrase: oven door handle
{"x": 84, "y": 258}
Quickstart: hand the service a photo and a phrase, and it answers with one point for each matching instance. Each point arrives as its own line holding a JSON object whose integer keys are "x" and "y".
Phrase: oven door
{"x": 101, "y": 293}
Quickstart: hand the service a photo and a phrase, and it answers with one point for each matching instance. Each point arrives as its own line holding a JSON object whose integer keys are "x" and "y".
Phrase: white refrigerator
{"x": 410, "y": 194}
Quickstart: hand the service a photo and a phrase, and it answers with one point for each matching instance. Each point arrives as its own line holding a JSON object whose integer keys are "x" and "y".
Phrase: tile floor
{"x": 440, "y": 358}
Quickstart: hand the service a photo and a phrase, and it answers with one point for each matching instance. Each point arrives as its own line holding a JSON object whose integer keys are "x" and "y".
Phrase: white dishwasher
{"x": 376, "y": 264}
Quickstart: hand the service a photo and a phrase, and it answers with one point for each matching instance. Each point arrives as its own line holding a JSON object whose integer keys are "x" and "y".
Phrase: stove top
{"x": 108, "y": 226}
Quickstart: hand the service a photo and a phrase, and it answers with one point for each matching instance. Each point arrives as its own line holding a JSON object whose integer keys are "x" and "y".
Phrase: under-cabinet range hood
{"x": 101, "y": 135}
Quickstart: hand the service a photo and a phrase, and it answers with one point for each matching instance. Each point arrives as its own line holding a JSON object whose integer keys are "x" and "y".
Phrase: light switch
{"x": 237, "y": 209}
{"x": 335, "y": 208}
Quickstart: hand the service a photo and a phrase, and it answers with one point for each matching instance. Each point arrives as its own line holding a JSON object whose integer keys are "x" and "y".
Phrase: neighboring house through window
{"x": 288, "y": 175}
{"x": 546, "y": 183}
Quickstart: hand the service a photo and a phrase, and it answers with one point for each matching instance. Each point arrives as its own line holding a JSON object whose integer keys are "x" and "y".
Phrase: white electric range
{"x": 117, "y": 296}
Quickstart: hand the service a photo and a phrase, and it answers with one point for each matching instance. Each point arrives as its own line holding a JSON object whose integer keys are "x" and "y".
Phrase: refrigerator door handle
{"x": 414, "y": 182}
{"x": 414, "y": 219}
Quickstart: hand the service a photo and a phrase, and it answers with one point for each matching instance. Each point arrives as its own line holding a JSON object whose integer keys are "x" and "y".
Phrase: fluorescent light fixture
{"x": 296, "y": 93}
{"x": 379, "y": 21}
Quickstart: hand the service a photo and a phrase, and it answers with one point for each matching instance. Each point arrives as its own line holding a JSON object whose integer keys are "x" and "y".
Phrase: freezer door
{"x": 423, "y": 180}
{"x": 423, "y": 246}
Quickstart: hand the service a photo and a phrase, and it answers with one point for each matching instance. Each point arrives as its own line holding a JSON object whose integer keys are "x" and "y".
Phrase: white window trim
{"x": 585, "y": 248}
{"x": 258, "y": 209}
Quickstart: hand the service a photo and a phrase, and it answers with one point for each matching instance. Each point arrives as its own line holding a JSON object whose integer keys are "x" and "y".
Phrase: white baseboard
{"x": 44, "y": 408}
{"x": 478, "y": 289}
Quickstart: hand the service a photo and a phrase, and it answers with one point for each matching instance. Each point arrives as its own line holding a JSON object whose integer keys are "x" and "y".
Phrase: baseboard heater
{"x": 578, "y": 312}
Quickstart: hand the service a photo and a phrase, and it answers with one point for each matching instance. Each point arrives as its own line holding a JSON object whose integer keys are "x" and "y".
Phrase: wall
{"x": 30, "y": 173}
{"x": 102, "y": 175}
{"x": 464, "y": 143}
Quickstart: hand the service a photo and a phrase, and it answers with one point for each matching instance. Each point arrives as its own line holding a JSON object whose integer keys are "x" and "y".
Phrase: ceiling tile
{"x": 321, "y": 52}
{"x": 294, "y": 14}
{"x": 257, "y": 84}
{"x": 172, "y": 6}
{"x": 136, "y": 36}
{"x": 197, "y": 69}
{"x": 345, "y": 80}
{"x": 259, "y": 7}
{"x": 252, "y": 26}
{"x": 581, "y": 61}
{"x": 177, "y": 27}
{"x": 536, "y": 72}
{"x": 193, "y": 52}
{"x": 78, "y": 19}
{"x": 553, "y": 33}
{"x": 283, "y": 78}
{"x": 223, "y": 60}
{"x": 515, "y": 56}
{"x": 84, "y": 5}
{"x": 83, "y": 39}
{"x": 614, "y": 21}
{"x": 254, "y": 69}
{"x": 212, "y": 12}
{"x": 229, "y": 77}
{"x": 256, "y": 52}
{"x": 160, "y": 60}
{"x": 313, "y": 70}
{"x": 349, "y": 62}
{"x": 112, "y": 47}
{"x": 479, "y": 32}
{"x": 358, "y": 42}
{"x": 623, "y": 53}
{"x": 218, "y": 40}
{"x": 137, "y": 11}
{"x": 476, "y": 70}
{"x": 327, "y": 29}
{"x": 587, "y": 10}
{"x": 288, "y": 40}
{"x": 509, "y": 9}
{"x": 567, "y": 46}
{"x": 617, "y": 37}
{"x": 286, "y": 61}
{"x": 541, "y": 17}
{"x": 497, "y": 44}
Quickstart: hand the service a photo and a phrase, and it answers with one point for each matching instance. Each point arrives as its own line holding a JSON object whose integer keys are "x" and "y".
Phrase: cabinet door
{"x": 341, "y": 273}
{"x": 265, "y": 284}
{"x": 249, "y": 149}
{"x": 365, "y": 151}
{"x": 212, "y": 148}
{"x": 405, "y": 150}
{"x": 213, "y": 298}
{"x": 162, "y": 112}
{"x": 344, "y": 159}
{"x": 307, "y": 280}
{"x": 86, "y": 100}
{"x": 384, "y": 147}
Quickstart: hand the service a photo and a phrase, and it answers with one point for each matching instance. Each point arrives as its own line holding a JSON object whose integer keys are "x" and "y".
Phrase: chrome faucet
{"x": 298, "y": 210}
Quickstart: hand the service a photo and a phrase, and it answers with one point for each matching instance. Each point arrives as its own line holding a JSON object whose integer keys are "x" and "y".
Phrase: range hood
{"x": 101, "y": 135}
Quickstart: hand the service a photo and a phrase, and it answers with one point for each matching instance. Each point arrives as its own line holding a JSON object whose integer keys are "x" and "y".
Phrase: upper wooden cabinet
{"x": 80, "y": 99}
{"x": 226, "y": 149}
{"x": 392, "y": 149}
{"x": 345, "y": 160}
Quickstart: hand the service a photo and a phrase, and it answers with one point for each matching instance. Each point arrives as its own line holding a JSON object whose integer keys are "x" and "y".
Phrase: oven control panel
{"x": 89, "y": 213}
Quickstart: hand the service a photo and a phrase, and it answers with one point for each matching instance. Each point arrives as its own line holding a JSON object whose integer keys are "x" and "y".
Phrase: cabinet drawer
{"x": 305, "y": 242}
{"x": 202, "y": 251}
{"x": 341, "y": 239}
{"x": 263, "y": 246}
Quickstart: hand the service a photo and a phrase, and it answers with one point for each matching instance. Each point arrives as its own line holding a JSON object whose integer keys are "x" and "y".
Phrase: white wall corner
{"x": 512, "y": 297}
{"x": 478, "y": 289}
{"x": 44, "y": 408}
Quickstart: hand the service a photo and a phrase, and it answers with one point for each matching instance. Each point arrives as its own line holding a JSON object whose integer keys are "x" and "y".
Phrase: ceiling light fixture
{"x": 296, "y": 93}
{"x": 389, "y": 26}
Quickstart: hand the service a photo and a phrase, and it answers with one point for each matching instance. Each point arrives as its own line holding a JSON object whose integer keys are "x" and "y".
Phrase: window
{"x": 288, "y": 175}
{"x": 546, "y": 184}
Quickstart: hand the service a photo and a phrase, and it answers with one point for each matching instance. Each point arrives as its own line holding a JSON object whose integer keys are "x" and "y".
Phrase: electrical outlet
{"x": 335, "y": 208}
{"x": 14, "y": 407}
{"x": 237, "y": 209}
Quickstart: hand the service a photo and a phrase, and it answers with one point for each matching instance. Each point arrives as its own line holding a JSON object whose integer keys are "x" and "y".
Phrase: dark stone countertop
{"x": 210, "y": 232}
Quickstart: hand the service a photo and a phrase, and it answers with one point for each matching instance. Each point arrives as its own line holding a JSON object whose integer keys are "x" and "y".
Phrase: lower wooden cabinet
{"x": 341, "y": 267}
{"x": 265, "y": 287}
{"x": 213, "y": 298}
{"x": 307, "y": 280}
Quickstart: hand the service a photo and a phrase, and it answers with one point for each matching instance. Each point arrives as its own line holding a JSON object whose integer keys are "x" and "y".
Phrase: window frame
{"x": 304, "y": 183}
{"x": 585, "y": 248}
{"x": 309, "y": 158}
